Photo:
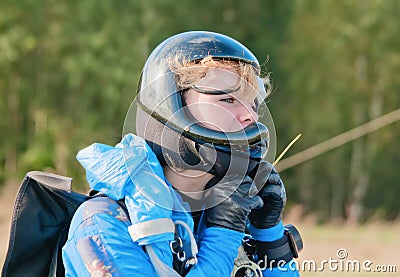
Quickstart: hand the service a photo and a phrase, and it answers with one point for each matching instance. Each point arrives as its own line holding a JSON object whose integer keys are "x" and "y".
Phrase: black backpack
{"x": 43, "y": 210}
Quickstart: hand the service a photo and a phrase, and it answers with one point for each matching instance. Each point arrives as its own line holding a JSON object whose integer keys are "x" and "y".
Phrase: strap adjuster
{"x": 295, "y": 240}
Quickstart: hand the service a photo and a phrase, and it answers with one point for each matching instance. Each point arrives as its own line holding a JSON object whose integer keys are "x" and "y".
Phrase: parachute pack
{"x": 42, "y": 213}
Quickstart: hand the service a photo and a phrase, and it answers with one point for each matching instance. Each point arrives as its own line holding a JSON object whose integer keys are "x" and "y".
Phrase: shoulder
{"x": 99, "y": 212}
{"x": 99, "y": 242}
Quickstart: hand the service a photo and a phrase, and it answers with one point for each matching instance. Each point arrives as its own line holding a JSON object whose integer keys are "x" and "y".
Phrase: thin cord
{"x": 286, "y": 149}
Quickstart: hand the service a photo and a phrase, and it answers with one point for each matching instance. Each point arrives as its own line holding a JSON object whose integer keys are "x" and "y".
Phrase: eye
{"x": 229, "y": 100}
{"x": 256, "y": 105}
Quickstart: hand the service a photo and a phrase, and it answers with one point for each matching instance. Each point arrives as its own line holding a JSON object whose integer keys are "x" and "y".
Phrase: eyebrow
{"x": 214, "y": 91}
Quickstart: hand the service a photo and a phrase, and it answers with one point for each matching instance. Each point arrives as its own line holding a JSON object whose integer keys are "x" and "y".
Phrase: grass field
{"x": 375, "y": 245}
{"x": 341, "y": 249}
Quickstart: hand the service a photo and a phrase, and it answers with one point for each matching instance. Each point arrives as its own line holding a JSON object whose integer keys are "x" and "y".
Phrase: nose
{"x": 247, "y": 115}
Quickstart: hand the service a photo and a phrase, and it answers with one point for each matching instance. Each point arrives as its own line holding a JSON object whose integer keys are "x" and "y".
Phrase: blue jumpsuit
{"x": 103, "y": 241}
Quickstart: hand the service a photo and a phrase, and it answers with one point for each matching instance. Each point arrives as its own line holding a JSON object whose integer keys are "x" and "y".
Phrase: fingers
{"x": 262, "y": 174}
{"x": 266, "y": 173}
{"x": 258, "y": 203}
{"x": 273, "y": 189}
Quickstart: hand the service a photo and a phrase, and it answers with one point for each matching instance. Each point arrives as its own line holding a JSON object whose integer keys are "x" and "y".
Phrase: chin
{"x": 196, "y": 195}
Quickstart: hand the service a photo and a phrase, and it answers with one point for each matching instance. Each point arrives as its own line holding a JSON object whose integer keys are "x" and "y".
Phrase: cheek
{"x": 207, "y": 112}
{"x": 213, "y": 116}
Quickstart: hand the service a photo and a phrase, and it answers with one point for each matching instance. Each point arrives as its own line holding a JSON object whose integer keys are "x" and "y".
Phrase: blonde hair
{"x": 188, "y": 73}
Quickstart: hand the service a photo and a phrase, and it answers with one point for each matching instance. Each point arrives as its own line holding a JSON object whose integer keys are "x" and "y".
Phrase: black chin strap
{"x": 212, "y": 182}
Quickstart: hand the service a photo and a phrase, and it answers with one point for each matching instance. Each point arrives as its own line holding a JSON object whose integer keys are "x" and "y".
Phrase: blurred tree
{"x": 69, "y": 71}
{"x": 343, "y": 58}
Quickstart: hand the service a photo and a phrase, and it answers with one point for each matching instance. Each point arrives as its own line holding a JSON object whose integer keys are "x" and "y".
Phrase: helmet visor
{"x": 221, "y": 81}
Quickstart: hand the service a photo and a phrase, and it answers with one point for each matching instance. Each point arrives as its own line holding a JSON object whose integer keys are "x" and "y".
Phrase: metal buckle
{"x": 190, "y": 262}
{"x": 250, "y": 269}
{"x": 176, "y": 245}
{"x": 181, "y": 256}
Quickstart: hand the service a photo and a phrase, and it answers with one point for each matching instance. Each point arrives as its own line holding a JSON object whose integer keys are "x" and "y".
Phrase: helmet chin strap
{"x": 212, "y": 182}
{"x": 218, "y": 175}
{"x": 226, "y": 163}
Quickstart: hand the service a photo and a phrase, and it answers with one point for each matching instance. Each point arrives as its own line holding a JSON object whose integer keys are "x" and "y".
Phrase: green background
{"x": 69, "y": 71}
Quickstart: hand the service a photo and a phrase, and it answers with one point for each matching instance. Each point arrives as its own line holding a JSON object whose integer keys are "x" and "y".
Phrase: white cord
{"x": 161, "y": 268}
{"x": 193, "y": 244}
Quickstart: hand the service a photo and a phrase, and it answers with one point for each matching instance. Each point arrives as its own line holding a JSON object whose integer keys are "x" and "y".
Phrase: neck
{"x": 188, "y": 182}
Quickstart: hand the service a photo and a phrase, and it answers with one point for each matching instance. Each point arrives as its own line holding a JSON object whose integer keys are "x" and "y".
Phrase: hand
{"x": 233, "y": 205}
{"x": 273, "y": 195}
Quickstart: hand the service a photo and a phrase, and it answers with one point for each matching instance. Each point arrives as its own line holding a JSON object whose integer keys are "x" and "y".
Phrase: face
{"x": 226, "y": 112}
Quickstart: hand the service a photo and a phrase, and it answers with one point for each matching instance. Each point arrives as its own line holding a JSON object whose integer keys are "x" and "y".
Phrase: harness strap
{"x": 151, "y": 227}
{"x": 161, "y": 269}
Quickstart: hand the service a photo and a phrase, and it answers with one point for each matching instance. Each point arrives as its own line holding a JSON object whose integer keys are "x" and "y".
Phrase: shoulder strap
{"x": 121, "y": 202}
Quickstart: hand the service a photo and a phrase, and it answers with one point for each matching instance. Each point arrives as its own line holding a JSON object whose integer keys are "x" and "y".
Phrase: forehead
{"x": 219, "y": 78}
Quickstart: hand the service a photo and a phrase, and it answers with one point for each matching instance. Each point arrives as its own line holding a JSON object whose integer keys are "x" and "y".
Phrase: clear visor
{"x": 217, "y": 81}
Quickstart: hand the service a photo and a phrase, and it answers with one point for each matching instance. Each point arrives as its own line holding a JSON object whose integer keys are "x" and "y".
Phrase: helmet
{"x": 175, "y": 136}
